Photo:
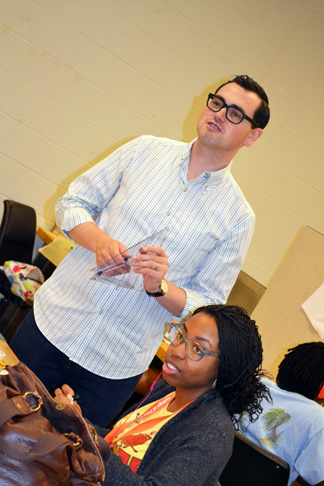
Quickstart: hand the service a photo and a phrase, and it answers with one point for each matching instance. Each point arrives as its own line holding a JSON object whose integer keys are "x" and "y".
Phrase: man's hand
{"x": 153, "y": 264}
{"x": 93, "y": 238}
{"x": 107, "y": 248}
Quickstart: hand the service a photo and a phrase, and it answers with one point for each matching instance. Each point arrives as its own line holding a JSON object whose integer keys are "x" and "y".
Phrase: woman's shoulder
{"x": 212, "y": 409}
{"x": 207, "y": 424}
{"x": 207, "y": 415}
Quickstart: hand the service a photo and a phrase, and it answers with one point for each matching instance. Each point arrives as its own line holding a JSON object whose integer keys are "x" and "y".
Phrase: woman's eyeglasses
{"x": 194, "y": 350}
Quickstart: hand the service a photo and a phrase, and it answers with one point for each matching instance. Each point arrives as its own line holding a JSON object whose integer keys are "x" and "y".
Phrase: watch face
{"x": 164, "y": 286}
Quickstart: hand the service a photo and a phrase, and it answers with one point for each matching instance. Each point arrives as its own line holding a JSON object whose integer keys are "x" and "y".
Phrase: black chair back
{"x": 17, "y": 232}
{"x": 17, "y": 237}
{"x": 251, "y": 465}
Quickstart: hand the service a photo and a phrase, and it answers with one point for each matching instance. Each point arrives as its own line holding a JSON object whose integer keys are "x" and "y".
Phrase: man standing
{"x": 100, "y": 338}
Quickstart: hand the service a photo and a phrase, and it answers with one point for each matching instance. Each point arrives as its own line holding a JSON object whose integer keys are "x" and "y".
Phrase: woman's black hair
{"x": 240, "y": 362}
{"x": 302, "y": 369}
{"x": 262, "y": 113}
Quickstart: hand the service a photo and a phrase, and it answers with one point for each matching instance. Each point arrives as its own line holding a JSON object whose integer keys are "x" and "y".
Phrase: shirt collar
{"x": 211, "y": 178}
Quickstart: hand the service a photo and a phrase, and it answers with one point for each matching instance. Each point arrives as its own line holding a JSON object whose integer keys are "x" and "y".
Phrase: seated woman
{"x": 183, "y": 433}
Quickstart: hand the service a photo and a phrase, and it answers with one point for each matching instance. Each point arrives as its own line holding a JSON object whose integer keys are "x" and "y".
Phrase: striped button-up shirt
{"x": 137, "y": 191}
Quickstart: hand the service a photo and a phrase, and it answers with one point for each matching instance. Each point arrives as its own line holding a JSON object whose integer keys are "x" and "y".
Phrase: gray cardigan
{"x": 190, "y": 449}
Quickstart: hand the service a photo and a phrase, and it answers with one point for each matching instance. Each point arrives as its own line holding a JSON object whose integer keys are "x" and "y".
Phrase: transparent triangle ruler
{"x": 118, "y": 271}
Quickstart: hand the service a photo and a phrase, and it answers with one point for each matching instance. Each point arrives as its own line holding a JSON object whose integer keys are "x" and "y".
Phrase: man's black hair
{"x": 240, "y": 362}
{"x": 262, "y": 113}
{"x": 302, "y": 369}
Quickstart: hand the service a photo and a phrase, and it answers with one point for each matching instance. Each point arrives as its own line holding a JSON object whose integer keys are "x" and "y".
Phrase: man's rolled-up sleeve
{"x": 92, "y": 191}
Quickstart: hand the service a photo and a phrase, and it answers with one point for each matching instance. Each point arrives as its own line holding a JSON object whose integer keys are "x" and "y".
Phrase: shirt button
{"x": 169, "y": 214}
{"x": 101, "y": 312}
{"x": 185, "y": 189}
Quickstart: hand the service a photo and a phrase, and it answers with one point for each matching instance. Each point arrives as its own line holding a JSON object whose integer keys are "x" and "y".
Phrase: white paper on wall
{"x": 314, "y": 310}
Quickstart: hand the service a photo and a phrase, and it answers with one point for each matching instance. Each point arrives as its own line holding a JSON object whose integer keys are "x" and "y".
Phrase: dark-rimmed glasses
{"x": 194, "y": 350}
{"x": 233, "y": 113}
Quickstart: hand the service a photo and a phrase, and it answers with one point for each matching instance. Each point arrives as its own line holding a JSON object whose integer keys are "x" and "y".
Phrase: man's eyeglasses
{"x": 194, "y": 350}
{"x": 233, "y": 114}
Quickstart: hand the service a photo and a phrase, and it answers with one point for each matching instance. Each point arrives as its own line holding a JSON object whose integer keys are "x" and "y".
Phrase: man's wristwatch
{"x": 163, "y": 290}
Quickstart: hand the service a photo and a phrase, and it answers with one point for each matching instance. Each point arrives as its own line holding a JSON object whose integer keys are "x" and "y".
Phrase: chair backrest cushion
{"x": 251, "y": 465}
{"x": 17, "y": 232}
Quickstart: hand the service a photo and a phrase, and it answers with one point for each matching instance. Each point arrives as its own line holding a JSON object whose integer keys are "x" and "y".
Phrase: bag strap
{"x": 18, "y": 406}
{"x": 46, "y": 444}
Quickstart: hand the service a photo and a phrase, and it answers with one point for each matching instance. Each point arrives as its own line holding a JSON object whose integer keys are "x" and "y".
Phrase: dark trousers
{"x": 101, "y": 399}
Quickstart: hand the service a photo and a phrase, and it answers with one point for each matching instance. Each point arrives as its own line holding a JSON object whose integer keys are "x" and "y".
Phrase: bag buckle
{"x": 75, "y": 439}
{"x": 29, "y": 402}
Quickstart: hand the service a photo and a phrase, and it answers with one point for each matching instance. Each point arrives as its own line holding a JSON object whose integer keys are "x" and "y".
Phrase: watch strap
{"x": 160, "y": 292}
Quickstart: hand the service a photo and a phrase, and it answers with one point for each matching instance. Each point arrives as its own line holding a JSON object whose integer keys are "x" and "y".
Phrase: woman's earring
{"x": 214, "y": 384}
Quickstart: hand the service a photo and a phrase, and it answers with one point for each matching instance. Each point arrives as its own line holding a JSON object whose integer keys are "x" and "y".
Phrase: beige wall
{"x": 80, "y": 77}
{"x": 282, "y": 322}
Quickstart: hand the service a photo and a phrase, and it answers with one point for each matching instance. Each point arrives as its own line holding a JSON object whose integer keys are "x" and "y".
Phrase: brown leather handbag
{"x": 43, "y": 442}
